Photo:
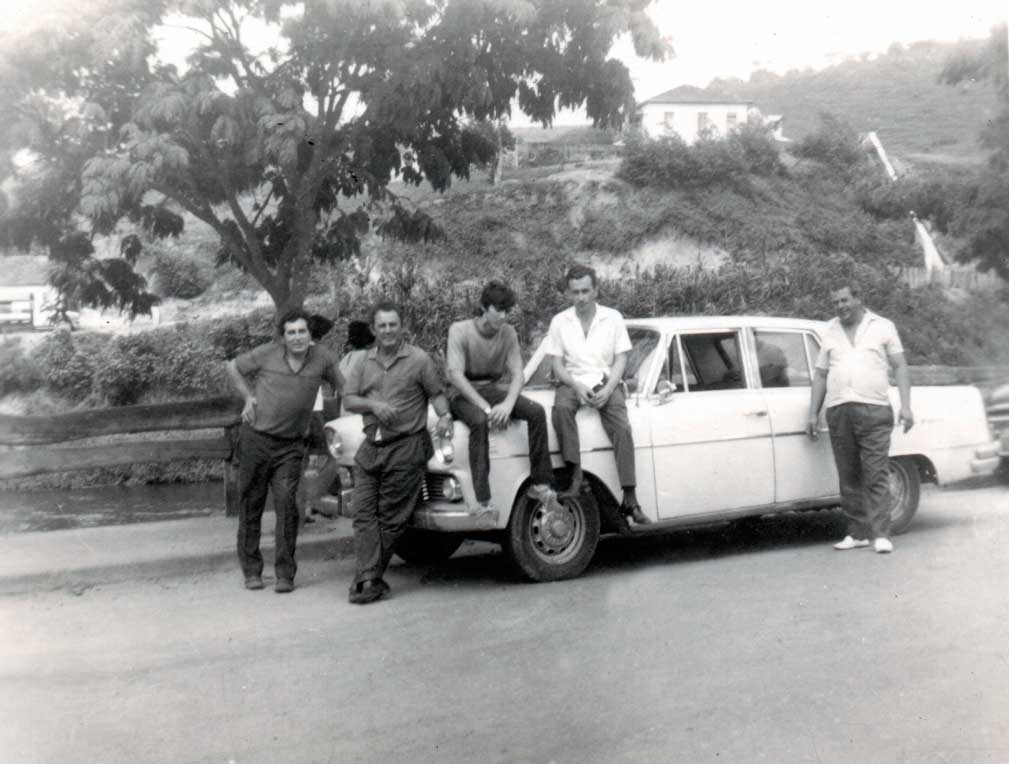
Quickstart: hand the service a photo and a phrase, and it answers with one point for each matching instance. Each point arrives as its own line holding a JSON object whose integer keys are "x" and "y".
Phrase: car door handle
{"x": 756, "y": 412}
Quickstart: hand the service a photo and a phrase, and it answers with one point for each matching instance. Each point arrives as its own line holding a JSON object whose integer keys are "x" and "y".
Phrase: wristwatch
{"x": 487, "y": 410}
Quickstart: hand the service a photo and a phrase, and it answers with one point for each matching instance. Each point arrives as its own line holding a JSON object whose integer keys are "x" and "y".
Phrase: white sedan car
{"x": 718, "y": 408}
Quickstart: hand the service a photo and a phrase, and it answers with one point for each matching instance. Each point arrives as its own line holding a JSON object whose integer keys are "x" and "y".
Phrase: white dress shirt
{"x": 587, "y": 357}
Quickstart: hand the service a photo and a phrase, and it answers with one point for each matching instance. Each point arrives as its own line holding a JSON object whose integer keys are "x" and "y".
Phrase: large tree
{"x": 286, "y": 152}
{"x": 983, "y": 217}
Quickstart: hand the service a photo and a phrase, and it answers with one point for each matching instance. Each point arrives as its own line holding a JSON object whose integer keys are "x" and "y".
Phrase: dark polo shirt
{"x": 407, "y": 383}
{"x": 284, "y": 398}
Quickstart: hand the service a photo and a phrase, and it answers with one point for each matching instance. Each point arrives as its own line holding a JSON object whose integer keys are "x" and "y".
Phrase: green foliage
{"x": 834, "y": 143}
{"x": 68, "y": 364}
{"x": 180, "y": 274}
{"x": 985, "y": 219}
{"x": 670, "y": 163}
{"x": 897, "y": 94}
{"x": 403, "y": 89}
{"x": 20, "y": 371}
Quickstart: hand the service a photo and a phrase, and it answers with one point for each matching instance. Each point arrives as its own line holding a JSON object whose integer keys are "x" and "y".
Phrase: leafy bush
{"x": 834, "y": 143}
{"x": 68, "y": 363}
{"x": 21, "y": 371}
{"x": 179, "y": 274}
{"x": 669, "y": 162}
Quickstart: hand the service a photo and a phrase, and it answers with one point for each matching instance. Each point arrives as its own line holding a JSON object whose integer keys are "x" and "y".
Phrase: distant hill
{"x": 897, "y": 94}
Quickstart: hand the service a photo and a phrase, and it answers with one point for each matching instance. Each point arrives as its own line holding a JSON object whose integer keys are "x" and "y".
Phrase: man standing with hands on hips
{"x": 589, "y": 345}
{"x": 391, "y": 388}
{"x": 851, "y": 376}
{"x": 285, "y": 378}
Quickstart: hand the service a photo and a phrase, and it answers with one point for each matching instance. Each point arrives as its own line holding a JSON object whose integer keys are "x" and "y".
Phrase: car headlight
{"x": 334, "y": 443}
{"x": 444, "y": 451}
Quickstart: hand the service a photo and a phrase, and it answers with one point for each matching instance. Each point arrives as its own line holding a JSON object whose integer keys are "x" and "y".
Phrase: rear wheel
{"x": 420, "y": 547}
{"x": 552, "y": 542}
{"x": 905, "y": 492}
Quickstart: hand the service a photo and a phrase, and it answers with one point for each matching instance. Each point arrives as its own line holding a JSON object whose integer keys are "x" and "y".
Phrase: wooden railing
{"x": 34, "y": 435}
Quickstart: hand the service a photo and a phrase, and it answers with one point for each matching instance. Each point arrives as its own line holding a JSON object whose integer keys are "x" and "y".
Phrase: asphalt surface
{"x": 721, "y": 645}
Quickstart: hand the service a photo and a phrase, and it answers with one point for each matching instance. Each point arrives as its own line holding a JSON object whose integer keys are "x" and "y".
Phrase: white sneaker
{"x": 851, "y": 543}
{"x": 882, "y": 545}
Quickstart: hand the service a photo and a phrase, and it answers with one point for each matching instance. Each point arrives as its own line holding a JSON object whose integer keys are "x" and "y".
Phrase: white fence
{"x": 966, "y": 278}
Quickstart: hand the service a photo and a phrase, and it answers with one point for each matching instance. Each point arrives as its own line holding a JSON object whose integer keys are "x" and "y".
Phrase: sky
{"x": 732, "y": 38}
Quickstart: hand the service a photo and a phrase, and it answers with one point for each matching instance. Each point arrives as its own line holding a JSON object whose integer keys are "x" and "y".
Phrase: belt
{"x": 370, "y": 436}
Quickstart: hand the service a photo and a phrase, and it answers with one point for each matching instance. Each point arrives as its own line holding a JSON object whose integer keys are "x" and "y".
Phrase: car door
{"x": 712, "y": 444}
{"x": 803, "y": 468}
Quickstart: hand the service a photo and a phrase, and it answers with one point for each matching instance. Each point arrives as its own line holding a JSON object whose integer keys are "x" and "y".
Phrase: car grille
{"x": 434, "y": 485}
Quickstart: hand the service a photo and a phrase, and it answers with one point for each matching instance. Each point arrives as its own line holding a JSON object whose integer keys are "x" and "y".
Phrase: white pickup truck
{"x": 718, "y": 409}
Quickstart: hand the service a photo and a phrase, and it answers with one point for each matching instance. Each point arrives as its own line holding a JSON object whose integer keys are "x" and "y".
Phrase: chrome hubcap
{"x": 553, "y": 529}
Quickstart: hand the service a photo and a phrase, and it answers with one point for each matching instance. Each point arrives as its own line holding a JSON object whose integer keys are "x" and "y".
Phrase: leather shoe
{"x": 283, "y": 586}
{"x": 633, "y": 513}
{"x": 253, "y": 582}
{"x": 363, "y": 592}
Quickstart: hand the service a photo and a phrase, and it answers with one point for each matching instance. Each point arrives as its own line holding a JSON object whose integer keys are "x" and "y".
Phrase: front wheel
{"x": 552, "y": 542}
{"x": 905, "y": 491}
{"x": 421, "y": 547}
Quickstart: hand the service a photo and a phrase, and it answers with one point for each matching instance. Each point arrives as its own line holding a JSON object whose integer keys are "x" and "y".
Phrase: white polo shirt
{"x": 587, "y": 357}
{"x": 859, "y": 372}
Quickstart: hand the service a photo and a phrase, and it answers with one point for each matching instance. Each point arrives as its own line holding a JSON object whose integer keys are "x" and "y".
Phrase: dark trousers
{"x": 615, "y": 423}
{"x": 266, "y": 462}
{"x": 387, "y": 485}
{"x": 525, "y": 410}
{"x": 860, "y": 440}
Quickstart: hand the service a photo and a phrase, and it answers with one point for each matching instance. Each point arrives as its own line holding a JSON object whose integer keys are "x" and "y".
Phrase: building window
{"x": 667, "y": 120}
{"x": 731, "y": 120}
{"x": 703, "y": 122}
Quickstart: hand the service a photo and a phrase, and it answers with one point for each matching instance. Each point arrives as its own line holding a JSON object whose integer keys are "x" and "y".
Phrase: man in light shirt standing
{"x": 589, "y": 345}
{"x": 851, "y": 375}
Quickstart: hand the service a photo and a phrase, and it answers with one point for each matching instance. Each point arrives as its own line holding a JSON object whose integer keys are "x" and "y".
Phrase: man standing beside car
{"x": 484, "y": 367}
{"x": 391, "y": 388}
{"x": 851, "y": 376}
{"x": 285, "y": 377}
{"x": 589, "y": 344}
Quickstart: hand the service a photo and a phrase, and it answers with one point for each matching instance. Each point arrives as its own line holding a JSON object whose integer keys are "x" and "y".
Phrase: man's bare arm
{"x": 241, "y": 385}
{"x": 903, "y": 376}
{"x": 817, "y": 393}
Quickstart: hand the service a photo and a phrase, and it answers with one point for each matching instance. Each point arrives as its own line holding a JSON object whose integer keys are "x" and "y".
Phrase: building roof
{"x": 24, "y": 270}
{"x": 691, "y": 94}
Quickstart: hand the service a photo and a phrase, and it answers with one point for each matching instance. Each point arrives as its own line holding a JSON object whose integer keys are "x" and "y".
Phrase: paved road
{"x": 704, "y": 646}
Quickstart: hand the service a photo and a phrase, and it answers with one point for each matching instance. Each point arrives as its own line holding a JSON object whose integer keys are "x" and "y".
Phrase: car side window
{"x": 712, "y": 361}
{"x": 781, "y": 357}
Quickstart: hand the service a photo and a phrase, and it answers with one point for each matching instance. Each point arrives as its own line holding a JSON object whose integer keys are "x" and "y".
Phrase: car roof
{"x": 713, "y": 323}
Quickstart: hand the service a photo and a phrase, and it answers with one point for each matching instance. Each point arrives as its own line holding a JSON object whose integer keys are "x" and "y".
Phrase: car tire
{"x": 905, "y": 492}
{"x": 419, "y": 547}
{"x": 550, "y": 543}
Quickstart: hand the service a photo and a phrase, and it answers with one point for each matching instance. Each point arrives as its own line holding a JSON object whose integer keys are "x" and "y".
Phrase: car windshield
{"x": 644, "y": 343}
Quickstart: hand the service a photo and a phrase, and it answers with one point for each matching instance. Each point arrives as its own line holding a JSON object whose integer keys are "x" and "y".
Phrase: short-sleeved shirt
{"x": 588, "y": 357}
{"x": 284, "y": 397}
{"x": 859, "y": 372}
{"x": 407, "y": 383}
{"x": 482, "y": 359}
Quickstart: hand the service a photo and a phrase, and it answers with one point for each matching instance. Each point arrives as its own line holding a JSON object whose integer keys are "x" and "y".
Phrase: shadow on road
{"x": 483, "y": 563}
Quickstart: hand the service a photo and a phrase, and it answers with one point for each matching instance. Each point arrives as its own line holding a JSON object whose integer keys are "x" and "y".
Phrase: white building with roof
{"x": 690, "y": 112}
{"x": 25, "y": 294}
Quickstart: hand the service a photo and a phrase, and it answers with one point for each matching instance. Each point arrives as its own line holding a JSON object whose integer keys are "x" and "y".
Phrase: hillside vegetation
{"x": 897, "y": 94}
